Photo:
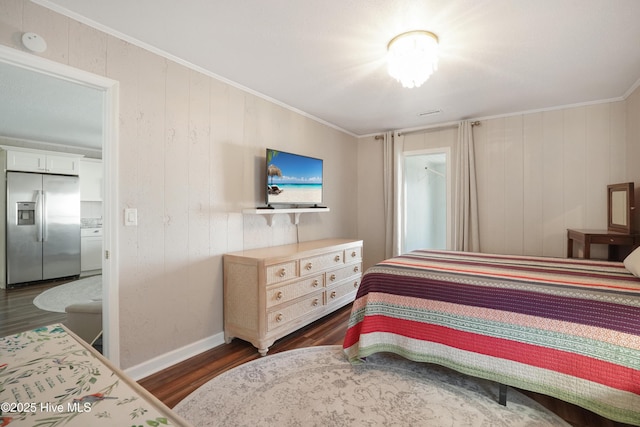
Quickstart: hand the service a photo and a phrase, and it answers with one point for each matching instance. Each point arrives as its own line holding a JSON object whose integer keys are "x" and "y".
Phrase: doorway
{"x": 108, "y": 116}
{"x": 427, "y": 200}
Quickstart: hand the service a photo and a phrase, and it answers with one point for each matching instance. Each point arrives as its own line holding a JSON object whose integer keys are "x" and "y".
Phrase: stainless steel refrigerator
{"x": 43, "y": 227}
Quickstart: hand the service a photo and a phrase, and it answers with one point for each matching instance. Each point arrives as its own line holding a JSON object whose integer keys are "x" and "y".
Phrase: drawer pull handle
{"x": 332, "y": 277}
{"x": 353, "y": 254}
{"x": 333, "y": 294}
{"x": 315, "y": 283}
{"x": 315, "y": 302}
{"x": 356, "y": 269}
{"x": 309, "y": 266}
{"x": 279, "y": 296}
{"x": 611, "y": 240}
{"x": 355, "y": 284}
{"x": 282, "y": 272}
{"x": 279, "y": 317}
{"x": 337, "y": 258}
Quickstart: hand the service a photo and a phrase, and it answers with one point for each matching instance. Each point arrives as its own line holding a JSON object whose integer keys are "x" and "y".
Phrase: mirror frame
{"x": 627, "y": 188}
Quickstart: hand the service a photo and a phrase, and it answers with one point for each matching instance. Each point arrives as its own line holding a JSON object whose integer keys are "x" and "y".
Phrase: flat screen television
{"x": 293, "y": 179}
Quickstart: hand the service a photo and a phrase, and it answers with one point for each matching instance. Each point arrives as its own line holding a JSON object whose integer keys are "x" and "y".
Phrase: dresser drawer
{"x": 341, "y": 291}
{"x": 280, "y": 272}
{"x": 284, "y": 315}
{"x": 353, "y": 254}
{"x": 283, "y": 293}
{"x": 321, "y": 262}
{"x": 340, "y": 274}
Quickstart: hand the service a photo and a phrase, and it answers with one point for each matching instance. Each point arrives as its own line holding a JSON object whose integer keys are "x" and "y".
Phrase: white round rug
{"x": 317, "y": 386}
{"x": 83, "y": 290}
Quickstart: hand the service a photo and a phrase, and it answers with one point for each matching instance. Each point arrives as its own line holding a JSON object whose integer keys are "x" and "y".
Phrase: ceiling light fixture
{"x": 413, "y": 57}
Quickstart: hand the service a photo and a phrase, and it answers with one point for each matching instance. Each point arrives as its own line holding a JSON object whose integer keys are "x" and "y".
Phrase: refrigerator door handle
{"x": 39, "y": 217}
{"x": 44, "y": 216}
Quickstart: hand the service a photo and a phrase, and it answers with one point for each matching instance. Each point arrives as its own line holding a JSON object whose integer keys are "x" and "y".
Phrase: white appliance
{"x": 43, "y": 227}
{"x": 90, "y": 249}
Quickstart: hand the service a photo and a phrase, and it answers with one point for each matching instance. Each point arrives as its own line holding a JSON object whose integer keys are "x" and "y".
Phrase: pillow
{"x": 632, "y": 262}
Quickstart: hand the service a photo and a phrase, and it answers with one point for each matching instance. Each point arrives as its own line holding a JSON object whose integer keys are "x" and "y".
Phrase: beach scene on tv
{"x": 293, "y": 179}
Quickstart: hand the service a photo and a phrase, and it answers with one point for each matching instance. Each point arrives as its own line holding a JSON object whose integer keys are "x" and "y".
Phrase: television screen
{"x": 293, "y": 179}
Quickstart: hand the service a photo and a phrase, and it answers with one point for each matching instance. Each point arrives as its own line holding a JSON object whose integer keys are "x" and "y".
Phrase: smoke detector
{"x": 34, "y": 42}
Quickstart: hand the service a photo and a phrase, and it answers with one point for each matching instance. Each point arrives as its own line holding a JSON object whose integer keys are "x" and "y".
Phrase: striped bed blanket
{"x": 568, "y": 328}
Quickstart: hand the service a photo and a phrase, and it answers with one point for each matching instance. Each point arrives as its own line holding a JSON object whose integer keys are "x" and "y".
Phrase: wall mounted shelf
{"x": 295, "y": 213}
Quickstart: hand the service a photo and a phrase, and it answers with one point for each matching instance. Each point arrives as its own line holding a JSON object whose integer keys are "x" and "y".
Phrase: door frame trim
{"x": 110, "y": 271}
{"x": 425, "y": 151}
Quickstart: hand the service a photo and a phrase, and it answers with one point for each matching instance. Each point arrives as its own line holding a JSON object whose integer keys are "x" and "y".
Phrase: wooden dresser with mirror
{"x": 620, "y": 235}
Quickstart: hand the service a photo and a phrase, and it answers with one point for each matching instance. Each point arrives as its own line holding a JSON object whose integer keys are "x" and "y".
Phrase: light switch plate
{"x": 131, "y": 216}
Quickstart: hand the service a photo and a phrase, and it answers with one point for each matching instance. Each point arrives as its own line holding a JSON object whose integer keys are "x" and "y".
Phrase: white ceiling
{"x": 326, "y": 58}
{"x": 44, "y": 108}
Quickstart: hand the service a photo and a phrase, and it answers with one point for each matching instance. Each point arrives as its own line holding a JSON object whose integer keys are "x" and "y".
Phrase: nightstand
{"x": 620, "y": 244}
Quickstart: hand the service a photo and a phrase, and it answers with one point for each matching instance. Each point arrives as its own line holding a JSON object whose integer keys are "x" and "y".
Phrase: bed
{"x": 568, "y": 328}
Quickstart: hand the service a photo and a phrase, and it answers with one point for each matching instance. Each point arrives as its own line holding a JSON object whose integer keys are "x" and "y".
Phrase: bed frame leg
{"x": 502, "y": 397}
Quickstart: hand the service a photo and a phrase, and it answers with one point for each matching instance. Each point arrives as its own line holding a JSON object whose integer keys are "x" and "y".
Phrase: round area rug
{"x": 317, "y": 386}
{"x": 83, "y": 290}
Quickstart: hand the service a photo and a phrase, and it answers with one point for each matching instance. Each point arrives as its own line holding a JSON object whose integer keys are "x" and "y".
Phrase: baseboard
{"x": 173, "y": 357}
{"x": 88, "y": 273}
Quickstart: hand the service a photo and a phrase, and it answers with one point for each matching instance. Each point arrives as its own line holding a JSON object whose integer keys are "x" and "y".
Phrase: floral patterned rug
{"x": 317, "y": 386}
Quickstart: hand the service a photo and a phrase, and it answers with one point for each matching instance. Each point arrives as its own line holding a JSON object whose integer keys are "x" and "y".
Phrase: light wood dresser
{"x": 271, "y": 292}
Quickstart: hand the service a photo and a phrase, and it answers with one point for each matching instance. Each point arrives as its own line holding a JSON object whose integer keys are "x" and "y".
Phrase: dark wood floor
{"x": 175, "y": 383}
{"x": 17, "y": 312}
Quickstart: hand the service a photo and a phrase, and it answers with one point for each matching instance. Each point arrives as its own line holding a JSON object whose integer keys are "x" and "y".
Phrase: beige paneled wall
{"x": 190, "y": 158}
{"x": 539, "y": 174}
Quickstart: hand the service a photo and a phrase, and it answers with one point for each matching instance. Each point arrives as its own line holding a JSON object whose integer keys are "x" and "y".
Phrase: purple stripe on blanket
{"x": 583, "y": 311}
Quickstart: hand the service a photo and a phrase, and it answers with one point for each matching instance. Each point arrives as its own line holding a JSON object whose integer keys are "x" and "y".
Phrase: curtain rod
{"x": 446, "y": 126}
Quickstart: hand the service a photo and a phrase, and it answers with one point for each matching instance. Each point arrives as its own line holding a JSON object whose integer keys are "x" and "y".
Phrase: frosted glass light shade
{"x": 412, "y": 57}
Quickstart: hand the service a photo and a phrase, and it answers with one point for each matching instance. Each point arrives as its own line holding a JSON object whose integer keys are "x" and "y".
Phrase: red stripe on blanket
{"x": 609, "y": 374}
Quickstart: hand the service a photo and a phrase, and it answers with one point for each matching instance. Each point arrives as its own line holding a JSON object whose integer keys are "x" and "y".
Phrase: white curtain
{"x": 465, "y": 226}
{"x": 392, "y": 190}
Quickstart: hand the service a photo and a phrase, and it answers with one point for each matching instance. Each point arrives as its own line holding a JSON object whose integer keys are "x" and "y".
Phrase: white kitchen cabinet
{"x": 90, "y": 249}
{"x": 61, "y": 164}
{"x": 27, "y": 160}
{"x": 91, "y": 180}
